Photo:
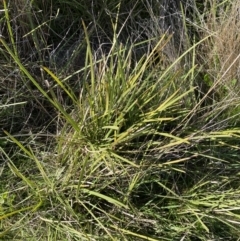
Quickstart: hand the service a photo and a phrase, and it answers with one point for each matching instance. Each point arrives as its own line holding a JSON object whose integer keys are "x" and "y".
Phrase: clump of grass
{"x": 135, "y": 155}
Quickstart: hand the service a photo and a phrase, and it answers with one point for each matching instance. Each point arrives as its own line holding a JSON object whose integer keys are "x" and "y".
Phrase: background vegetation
{"x": 119, "y": 120}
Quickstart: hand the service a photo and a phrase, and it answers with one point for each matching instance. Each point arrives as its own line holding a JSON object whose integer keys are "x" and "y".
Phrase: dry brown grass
{"x": 220, "y": 55}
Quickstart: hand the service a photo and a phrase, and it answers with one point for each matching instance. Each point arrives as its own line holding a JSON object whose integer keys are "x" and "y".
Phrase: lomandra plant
{"x": 121, "y": 116}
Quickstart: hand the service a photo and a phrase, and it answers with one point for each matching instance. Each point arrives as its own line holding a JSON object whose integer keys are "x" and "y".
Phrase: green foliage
{"x": 112, "y": 129}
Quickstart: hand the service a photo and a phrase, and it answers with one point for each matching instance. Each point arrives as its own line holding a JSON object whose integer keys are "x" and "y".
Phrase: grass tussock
{"x": 122, "y": 124}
